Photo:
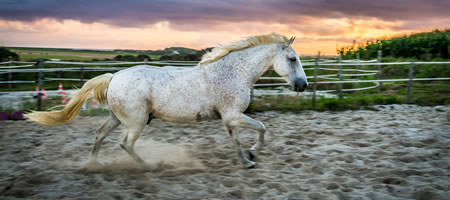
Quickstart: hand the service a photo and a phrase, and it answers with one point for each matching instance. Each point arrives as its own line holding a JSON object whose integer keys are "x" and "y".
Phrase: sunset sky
{"x": 157, "y": 24}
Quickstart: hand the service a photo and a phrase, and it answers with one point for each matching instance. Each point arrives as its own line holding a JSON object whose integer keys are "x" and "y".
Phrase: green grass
{"x": 33, "y": 57}
{"x": 290, "y": 103}
{"x": 78, "y": 55}
{"x": 423, "y": 93}
{"x": 154, "y": 57}
{"x": 28, "y": 57}
{"x": 70, "y": 50}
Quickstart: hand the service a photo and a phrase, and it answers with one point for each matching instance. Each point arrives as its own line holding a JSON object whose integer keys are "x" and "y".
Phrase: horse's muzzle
{"x": 300, "y": 84}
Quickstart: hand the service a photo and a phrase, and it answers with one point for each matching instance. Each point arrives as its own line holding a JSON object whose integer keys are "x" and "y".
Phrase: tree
{"x": 132, "y": 58}
{"x": 6, "y": 55}
{"x": 142, "y": 57}
{"x": 125, "y": 58}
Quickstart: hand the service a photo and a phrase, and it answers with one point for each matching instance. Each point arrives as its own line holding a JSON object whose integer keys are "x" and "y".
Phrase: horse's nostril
{"x": 300, "y": 84}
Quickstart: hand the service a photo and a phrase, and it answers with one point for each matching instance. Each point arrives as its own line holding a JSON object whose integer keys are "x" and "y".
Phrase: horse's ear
{"x": 291, "y": 41}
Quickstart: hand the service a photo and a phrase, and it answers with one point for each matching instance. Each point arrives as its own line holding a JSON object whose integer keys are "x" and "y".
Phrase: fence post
{"x": 410, "y": 77}
{"x": 340, "y": 76}
{"x": 40, "y": 77}
{"x": 358, "y": 59}
{"x": 81, "y": 75}
{"x": 315, "y": 80}
{"x": 251, "y": 94}
{"x": 380, "y": 53}
{"x": 9, "y": 79}
{"x": 145, "y": 61}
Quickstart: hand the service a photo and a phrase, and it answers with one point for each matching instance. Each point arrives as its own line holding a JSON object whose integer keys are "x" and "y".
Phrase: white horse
{"x": 218, "y": 88}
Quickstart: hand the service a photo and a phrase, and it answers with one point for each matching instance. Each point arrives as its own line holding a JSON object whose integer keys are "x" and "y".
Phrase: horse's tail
{"x": 98, "y": 85}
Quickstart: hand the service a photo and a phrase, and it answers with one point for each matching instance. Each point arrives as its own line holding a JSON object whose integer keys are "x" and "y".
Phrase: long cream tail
{"x": 98, "y": 85}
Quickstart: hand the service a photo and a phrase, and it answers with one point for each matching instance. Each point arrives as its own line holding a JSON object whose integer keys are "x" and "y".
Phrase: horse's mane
{"x": 219, "y": 52}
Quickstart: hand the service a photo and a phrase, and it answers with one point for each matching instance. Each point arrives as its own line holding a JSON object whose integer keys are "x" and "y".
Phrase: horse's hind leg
{"x": 101, "y": 134}
{"x": 129, "y": 140}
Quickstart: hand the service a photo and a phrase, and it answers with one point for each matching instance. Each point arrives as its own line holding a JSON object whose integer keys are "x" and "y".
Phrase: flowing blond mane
{"x": 219, "y": 52}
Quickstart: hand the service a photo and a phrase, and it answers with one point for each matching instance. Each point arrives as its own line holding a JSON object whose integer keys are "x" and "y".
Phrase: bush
{"x": 423, "y": 46}
{"x": 142, "y": 57}
{"x": 6, "y": 55}
{"x": 331, "y": 104}
{"x": 363, "y": 102}
{"x": 378, "y": 99}
{"x": 392, "y": 100}
{"x": 132, "y": 58}
{"x": 177, "y": 57}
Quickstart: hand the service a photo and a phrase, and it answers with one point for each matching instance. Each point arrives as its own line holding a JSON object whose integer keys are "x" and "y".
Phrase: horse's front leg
{"x": 247, "y": 122}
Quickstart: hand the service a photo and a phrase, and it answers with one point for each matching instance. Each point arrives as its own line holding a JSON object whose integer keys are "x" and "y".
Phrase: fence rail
{"x": 368, "y": 64}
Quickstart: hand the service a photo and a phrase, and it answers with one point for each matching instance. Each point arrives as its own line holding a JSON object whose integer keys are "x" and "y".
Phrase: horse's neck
{"x": 249, "y": 64}
{"x": 257, "y": 61}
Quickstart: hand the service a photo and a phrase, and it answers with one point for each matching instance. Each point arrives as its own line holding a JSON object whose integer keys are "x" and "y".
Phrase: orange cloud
{"x": 313, "y": 34}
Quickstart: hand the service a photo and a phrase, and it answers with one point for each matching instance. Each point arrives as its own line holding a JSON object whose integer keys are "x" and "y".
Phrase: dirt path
{"x": 398, "y": 152}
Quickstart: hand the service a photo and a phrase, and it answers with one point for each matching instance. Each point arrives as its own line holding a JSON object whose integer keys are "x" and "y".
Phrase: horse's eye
{"x": 293, "y": 59}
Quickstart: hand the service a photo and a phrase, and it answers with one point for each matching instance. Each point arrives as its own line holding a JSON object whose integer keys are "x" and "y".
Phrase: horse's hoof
{"x": 147, "y": 167}
{"x": 92, "y": 166}
{"x": 252, "y": 154}
{"x": 152, "y": 168}
{"x": 251, "y": 165}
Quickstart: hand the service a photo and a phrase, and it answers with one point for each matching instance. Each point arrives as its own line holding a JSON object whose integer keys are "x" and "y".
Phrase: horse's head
{"x": 287, "y": 64}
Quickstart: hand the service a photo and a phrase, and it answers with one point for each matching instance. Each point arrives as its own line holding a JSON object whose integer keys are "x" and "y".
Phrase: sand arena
{"x": 397, "y": 152}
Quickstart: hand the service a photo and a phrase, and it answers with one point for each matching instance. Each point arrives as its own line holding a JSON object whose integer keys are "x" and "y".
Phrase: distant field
{"x": 33, "y": 54}
{"x": 63, "y": 55}
{"x": 67, "y": 54}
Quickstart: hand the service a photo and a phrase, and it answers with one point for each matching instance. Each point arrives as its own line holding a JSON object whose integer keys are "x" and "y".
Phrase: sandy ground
{"x": 397, "y": 152}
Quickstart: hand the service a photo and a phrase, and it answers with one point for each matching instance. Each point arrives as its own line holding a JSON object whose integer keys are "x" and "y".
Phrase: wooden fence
{"x": 316, "y": 65}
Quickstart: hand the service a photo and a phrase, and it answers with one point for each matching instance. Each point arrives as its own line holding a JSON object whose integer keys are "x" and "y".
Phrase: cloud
{"x": 151, "y": 24}
{"x": 204, "y": 14}
{"x": 75, "y": 34}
